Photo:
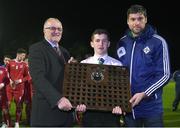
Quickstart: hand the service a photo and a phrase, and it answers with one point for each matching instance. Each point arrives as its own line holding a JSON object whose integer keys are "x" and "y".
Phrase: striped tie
{"x": 61, "y": 56}
{"x": 57, "y": 51}
{"x": 100, "y": 60}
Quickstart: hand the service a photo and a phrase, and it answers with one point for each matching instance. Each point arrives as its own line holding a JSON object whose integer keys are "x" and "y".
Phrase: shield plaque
{"x": 99, "y": 87}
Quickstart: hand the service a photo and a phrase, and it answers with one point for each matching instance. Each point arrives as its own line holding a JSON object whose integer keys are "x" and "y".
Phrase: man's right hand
{"x": 12, "y": 84}
{"x": 72, "y": 60}
{"x": 81, "y": 108}
{"x": 137, "y": 98}
{"x": 1, "y": 85}
{"x": 64, "y": 104}
{"x": 117, "y": 110}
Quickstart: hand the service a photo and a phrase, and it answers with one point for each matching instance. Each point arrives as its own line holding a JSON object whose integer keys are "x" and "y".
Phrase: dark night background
{"x": 21, "y": 23}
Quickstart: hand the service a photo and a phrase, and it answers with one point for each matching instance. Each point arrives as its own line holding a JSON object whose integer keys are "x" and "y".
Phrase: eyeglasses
{"x": 54, "y": 29}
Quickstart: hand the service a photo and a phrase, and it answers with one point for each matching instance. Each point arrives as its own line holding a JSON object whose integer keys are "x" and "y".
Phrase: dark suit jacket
{"x": 46, "y": 70}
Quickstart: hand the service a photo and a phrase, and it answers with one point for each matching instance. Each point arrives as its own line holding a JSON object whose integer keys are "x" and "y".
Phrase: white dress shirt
{"x": 108, "y": 60}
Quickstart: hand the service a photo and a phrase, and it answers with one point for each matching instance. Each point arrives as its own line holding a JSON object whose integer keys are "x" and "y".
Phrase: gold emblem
{"x": 97, "y": 74}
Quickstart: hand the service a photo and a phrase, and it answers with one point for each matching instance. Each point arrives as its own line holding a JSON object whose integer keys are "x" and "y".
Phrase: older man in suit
{"x": 46, "y": 60}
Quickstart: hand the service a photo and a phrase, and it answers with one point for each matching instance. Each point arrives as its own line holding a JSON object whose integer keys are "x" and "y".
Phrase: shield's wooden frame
{"x": 100, "y": 87}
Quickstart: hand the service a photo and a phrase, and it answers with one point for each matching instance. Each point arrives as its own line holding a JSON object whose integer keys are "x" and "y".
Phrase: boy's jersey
{"x": 17, "y": 70}
{"x": 4, "y": 75}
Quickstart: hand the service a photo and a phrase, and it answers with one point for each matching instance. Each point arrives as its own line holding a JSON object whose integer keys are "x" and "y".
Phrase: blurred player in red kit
{"x": 18, "y": 73}
{"x": 28, "y": 92}
{"x": 4, "y": 80}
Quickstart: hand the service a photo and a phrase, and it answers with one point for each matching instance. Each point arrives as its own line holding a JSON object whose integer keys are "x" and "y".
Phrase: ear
{"x": 109, "y": 43}
{"x": 127, "y": 22}
{"x": 146, "y": 19}
{"x": 44, "y": 31}
{"x": 92, "y": 44}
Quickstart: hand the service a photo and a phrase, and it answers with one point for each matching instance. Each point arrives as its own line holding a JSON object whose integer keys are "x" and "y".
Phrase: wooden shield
{"x": 99, "y": 87}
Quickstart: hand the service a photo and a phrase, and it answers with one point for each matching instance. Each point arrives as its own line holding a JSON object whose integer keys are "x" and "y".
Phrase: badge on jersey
{"x": 16, "y": 67}
{"x": 121, "y": 52}
{"x": 21, "y": 66}
{"x": 146, "y": 50}
{"x": 1, "y": 72}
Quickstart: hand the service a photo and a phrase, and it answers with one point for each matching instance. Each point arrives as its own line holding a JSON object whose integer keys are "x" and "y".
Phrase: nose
{"x": 101, "y": 43}
{"x": 137, "y": 22}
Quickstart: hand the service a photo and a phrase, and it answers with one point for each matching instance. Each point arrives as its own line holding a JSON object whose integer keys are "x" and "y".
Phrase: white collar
{"x": 52, "y": 44}
{"x": 100, "y": 56}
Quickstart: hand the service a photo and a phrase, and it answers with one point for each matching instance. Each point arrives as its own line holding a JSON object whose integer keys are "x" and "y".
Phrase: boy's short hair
{"x": 100, "y": 31}
{"x": 21, "y": 50}
{"x": 8, "y": 56}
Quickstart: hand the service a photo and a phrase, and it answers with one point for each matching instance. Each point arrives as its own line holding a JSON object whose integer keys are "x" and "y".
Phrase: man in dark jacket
{"x": 46, "y": 63}
{"x": 176, "y": 77}
{"x": 146, "y": 55}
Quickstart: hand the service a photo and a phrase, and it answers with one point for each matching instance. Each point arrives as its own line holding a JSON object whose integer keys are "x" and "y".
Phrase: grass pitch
{"x": 171, "y": 119}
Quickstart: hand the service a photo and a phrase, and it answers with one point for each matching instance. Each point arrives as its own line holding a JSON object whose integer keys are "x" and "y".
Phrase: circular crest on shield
{"x": 97, "y": 76}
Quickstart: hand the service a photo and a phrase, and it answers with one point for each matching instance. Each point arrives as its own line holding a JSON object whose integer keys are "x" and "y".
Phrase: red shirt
{"x": 17, "y": 70}
{"x": 4, "y": 76}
